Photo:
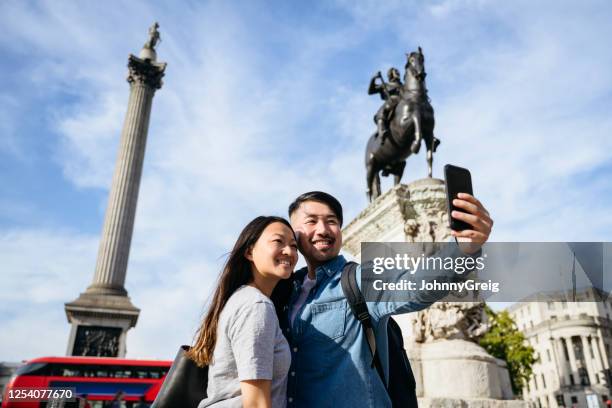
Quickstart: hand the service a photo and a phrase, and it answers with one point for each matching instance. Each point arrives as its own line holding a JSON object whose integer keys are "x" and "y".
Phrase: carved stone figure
{"x": 445, "y": 320}
{"x": 410, "y": 121}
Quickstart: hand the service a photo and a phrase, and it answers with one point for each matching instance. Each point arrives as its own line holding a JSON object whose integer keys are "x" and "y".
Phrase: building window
{"x": 560, "y": 400}
{"x": 543, "y": 382}
{"x": 574, "y": 399}
{"x": 584, "y": 376}
{"x": 572, "y": 382}
{"x": 535, "y": 383}
{"x": 548, "y": 354}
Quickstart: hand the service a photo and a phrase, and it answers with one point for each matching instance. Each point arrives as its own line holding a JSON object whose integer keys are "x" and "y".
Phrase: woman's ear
{"x": 248, "y": 254}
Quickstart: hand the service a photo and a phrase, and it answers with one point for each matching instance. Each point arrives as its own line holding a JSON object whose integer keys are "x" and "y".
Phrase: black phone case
{"x": 457, "y": 180}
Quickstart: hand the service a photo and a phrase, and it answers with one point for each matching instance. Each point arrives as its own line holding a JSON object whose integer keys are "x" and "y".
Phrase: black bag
{"x": 185, "y": 384}
{"x": 402, "y": 386}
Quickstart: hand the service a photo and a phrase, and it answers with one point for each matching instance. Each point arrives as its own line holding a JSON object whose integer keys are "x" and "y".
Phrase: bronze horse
{"x": 412, "y": 122}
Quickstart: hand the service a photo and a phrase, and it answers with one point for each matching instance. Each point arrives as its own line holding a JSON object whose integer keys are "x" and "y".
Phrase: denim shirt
{"x": 330, "y": 357}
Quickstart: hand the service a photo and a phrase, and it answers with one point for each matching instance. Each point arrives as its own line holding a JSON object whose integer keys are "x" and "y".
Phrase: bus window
{"x": 70, "y": 371}
{"x": 101, "y": 372}
{"x": 123, "y": 373}
{"x": 33, "y": 369}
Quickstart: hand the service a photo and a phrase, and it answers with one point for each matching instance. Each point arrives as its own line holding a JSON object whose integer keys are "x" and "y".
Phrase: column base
{"x": 99, "y": 324}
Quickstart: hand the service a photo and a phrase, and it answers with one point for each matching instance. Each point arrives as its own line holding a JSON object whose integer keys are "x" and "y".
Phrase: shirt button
{"x": 293, "y": 373}
{"x": 295, "y": 349}
{"x": 290, "y": 399}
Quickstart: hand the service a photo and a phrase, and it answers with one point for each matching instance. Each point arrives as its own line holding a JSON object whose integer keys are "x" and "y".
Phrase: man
{"x": 390, "y": 93}
{"x": 330, "y": 357}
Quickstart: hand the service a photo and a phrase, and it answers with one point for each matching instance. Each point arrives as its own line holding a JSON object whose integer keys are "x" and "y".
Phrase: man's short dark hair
{"x": 320, "y": 197}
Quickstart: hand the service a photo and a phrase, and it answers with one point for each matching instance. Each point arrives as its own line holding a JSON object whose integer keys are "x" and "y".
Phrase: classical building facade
{"x": 573, "y": 341}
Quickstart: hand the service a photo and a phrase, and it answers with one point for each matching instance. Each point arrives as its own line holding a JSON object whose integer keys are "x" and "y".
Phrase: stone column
{"x": 560, "y": 355}
{"x": 598, "y": 361}
{"x": 144, "y": 78}
{"x": 573, "y": 362}
{"x": 587, "y": 360}
{"x": 602, "y": 350}
{"x": 102, "y": 315}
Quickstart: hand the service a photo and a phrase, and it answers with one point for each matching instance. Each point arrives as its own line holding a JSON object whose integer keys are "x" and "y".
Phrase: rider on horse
{"x": 390, "y": 93}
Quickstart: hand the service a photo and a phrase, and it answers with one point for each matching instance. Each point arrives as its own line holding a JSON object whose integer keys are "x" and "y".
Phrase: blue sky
{"x": 263, "y": 101}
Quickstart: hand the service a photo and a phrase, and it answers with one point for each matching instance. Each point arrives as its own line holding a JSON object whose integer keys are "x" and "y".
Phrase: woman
{"x": 240, "y": 339}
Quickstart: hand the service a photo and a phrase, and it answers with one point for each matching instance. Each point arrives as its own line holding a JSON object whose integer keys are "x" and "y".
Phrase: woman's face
{"x": 275, "y": 252}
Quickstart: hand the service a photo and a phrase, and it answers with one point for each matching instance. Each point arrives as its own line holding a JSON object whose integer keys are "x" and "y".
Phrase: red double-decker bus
{"x": 98, "y": 378}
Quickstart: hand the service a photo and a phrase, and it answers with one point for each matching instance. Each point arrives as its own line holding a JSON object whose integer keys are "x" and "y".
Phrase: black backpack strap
{"x": 359, "y": 307}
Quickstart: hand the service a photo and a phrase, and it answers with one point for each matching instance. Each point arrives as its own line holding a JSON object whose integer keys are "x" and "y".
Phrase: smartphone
{"x": 457, "y": 180}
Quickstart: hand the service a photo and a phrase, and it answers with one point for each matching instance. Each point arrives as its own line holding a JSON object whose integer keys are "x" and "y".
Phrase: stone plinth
{"x": 407, "y": 213}
{"x": 449, "y": 369}
{"x": 100, "y": 324}
{"x": 448, "y": 372}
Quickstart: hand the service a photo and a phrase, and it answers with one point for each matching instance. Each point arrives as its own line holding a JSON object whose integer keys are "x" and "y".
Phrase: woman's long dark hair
{"x": 236, "y": 272}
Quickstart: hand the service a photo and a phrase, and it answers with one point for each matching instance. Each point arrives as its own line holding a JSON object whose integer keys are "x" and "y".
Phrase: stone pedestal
{"x": 448, "y": 372}
{"x": 407, "y": 213}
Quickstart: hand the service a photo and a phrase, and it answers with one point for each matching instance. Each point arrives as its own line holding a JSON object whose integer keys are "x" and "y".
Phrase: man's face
{"x": 320, "y": 237}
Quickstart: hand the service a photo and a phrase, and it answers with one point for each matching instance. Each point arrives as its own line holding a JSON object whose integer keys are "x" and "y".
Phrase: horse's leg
{"x": 399, "y": 172}
{"x": 416, "y": 145}
{"x": 370, "y": 179}
{"x": 430, "y": 143}
{"x": 376, "y": 185}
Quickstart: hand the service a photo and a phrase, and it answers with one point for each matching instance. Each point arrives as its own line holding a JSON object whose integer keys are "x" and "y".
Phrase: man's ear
{"x": 248, "y": 254}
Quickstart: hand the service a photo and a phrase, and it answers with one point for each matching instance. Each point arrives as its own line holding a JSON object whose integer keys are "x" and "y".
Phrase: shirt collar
{"x": 329, "y": 268}
{"x": 333, "y": 265}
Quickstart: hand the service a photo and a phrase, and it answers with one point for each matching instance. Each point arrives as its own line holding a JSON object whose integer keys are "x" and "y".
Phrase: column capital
{"x": 145, "y": 72}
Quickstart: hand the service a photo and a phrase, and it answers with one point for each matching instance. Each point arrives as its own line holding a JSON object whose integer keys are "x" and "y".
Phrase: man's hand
{"x": 477, "y": 216}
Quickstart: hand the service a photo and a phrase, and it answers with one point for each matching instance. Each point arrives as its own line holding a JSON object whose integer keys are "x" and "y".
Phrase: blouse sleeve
{"x": 252, "y": 336}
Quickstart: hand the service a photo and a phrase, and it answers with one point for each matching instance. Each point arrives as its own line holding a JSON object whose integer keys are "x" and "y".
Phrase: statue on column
{"x": 403, "y": 123}
{"x": 154, "y": 37}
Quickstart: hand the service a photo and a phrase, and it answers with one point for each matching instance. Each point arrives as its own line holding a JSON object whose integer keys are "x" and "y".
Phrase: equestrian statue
{"x": 404, "y": 120}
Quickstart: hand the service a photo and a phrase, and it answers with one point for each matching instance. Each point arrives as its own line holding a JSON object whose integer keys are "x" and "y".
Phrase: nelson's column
{"x": 102, "y": 315}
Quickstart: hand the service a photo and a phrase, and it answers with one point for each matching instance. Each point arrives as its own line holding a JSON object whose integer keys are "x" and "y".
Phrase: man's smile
{"x": 323, "y": 243}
